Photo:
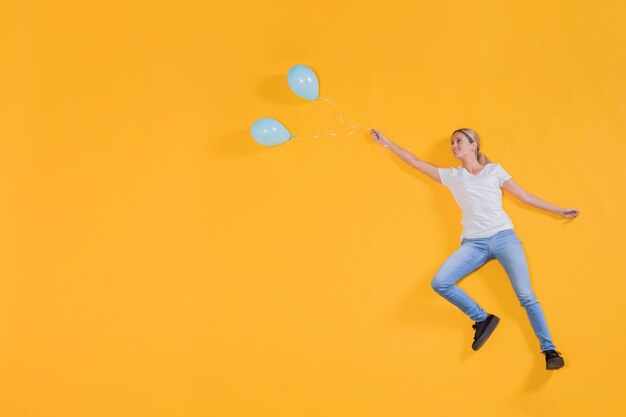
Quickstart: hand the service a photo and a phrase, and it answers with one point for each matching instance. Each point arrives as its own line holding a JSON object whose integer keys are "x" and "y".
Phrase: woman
{"x": 487, "y": 234}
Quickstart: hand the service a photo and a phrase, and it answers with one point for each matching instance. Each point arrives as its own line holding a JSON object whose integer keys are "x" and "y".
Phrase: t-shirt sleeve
{"x": 502, "y": 175}
{"x": 444, "y": 174}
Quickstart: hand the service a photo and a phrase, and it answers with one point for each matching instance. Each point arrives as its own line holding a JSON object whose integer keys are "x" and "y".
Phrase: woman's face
{"x": 461, "y": 147}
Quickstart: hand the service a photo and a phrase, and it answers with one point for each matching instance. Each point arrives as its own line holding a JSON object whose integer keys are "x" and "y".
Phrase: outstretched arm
{"x": 422, "y": 166}
{"x": 530, "y": 199}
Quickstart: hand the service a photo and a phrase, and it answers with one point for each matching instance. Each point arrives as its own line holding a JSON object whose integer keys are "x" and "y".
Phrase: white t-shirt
{"x": 480, "y": 199}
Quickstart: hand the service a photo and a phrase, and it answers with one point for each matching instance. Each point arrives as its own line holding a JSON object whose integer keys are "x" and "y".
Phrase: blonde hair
{"x": 473, "y": 137}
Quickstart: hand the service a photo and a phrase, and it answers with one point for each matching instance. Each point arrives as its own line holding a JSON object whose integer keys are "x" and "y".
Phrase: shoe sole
{"x": 490, "y": 328}
{"x": 554, "y": 364}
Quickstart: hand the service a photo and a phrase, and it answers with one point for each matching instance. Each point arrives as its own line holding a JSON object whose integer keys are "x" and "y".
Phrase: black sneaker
{"x": 483, "y": 330}
{"x": 553, "y": 359}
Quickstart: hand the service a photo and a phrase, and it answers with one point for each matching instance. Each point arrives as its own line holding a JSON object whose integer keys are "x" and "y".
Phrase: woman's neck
{"x": 471, "y": 165}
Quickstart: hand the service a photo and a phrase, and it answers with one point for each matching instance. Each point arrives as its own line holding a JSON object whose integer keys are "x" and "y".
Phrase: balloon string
{"x": 331, "y": 134}
{"x": 343, "y": 121}
{"x": 382, "y": 152}
{"x": 353, "y": 128}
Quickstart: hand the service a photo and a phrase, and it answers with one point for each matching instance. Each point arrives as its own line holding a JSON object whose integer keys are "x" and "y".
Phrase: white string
{"x": 353, "y": 128}
{"x": 382, "y": 151}
{"x": 343, "y": 121}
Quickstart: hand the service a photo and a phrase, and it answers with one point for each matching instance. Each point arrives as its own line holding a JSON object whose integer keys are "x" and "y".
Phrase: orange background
{"x": 156, "y": 261}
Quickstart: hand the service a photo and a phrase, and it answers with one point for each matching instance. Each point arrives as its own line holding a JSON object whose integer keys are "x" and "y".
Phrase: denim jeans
{"x": 474, "y": 253}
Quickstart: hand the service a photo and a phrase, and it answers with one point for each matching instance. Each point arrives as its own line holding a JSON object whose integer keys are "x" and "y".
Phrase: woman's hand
{"x": 379, "y": 137}
{"x": 570, "y": 213}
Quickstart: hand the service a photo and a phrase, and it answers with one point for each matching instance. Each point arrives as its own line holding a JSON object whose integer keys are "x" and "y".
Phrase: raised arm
{"x": 514, "y": 188}
{"x": 424, "y": 167}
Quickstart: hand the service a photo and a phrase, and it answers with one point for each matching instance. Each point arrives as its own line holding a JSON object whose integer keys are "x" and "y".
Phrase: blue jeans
{"x": 474, "y": 253}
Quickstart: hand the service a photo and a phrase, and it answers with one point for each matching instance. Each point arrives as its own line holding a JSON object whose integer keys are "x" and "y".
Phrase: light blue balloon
{"x": 269, "y": 132}
{"x": 303, "y": 81}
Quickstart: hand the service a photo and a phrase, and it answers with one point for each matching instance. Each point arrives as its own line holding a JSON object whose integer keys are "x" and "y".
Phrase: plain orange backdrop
{"x": 156, "y": 261}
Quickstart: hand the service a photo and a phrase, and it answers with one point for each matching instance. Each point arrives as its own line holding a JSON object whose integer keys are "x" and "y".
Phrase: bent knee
{"x": 527, "y": 298}
{"x": 439, "y": 285}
